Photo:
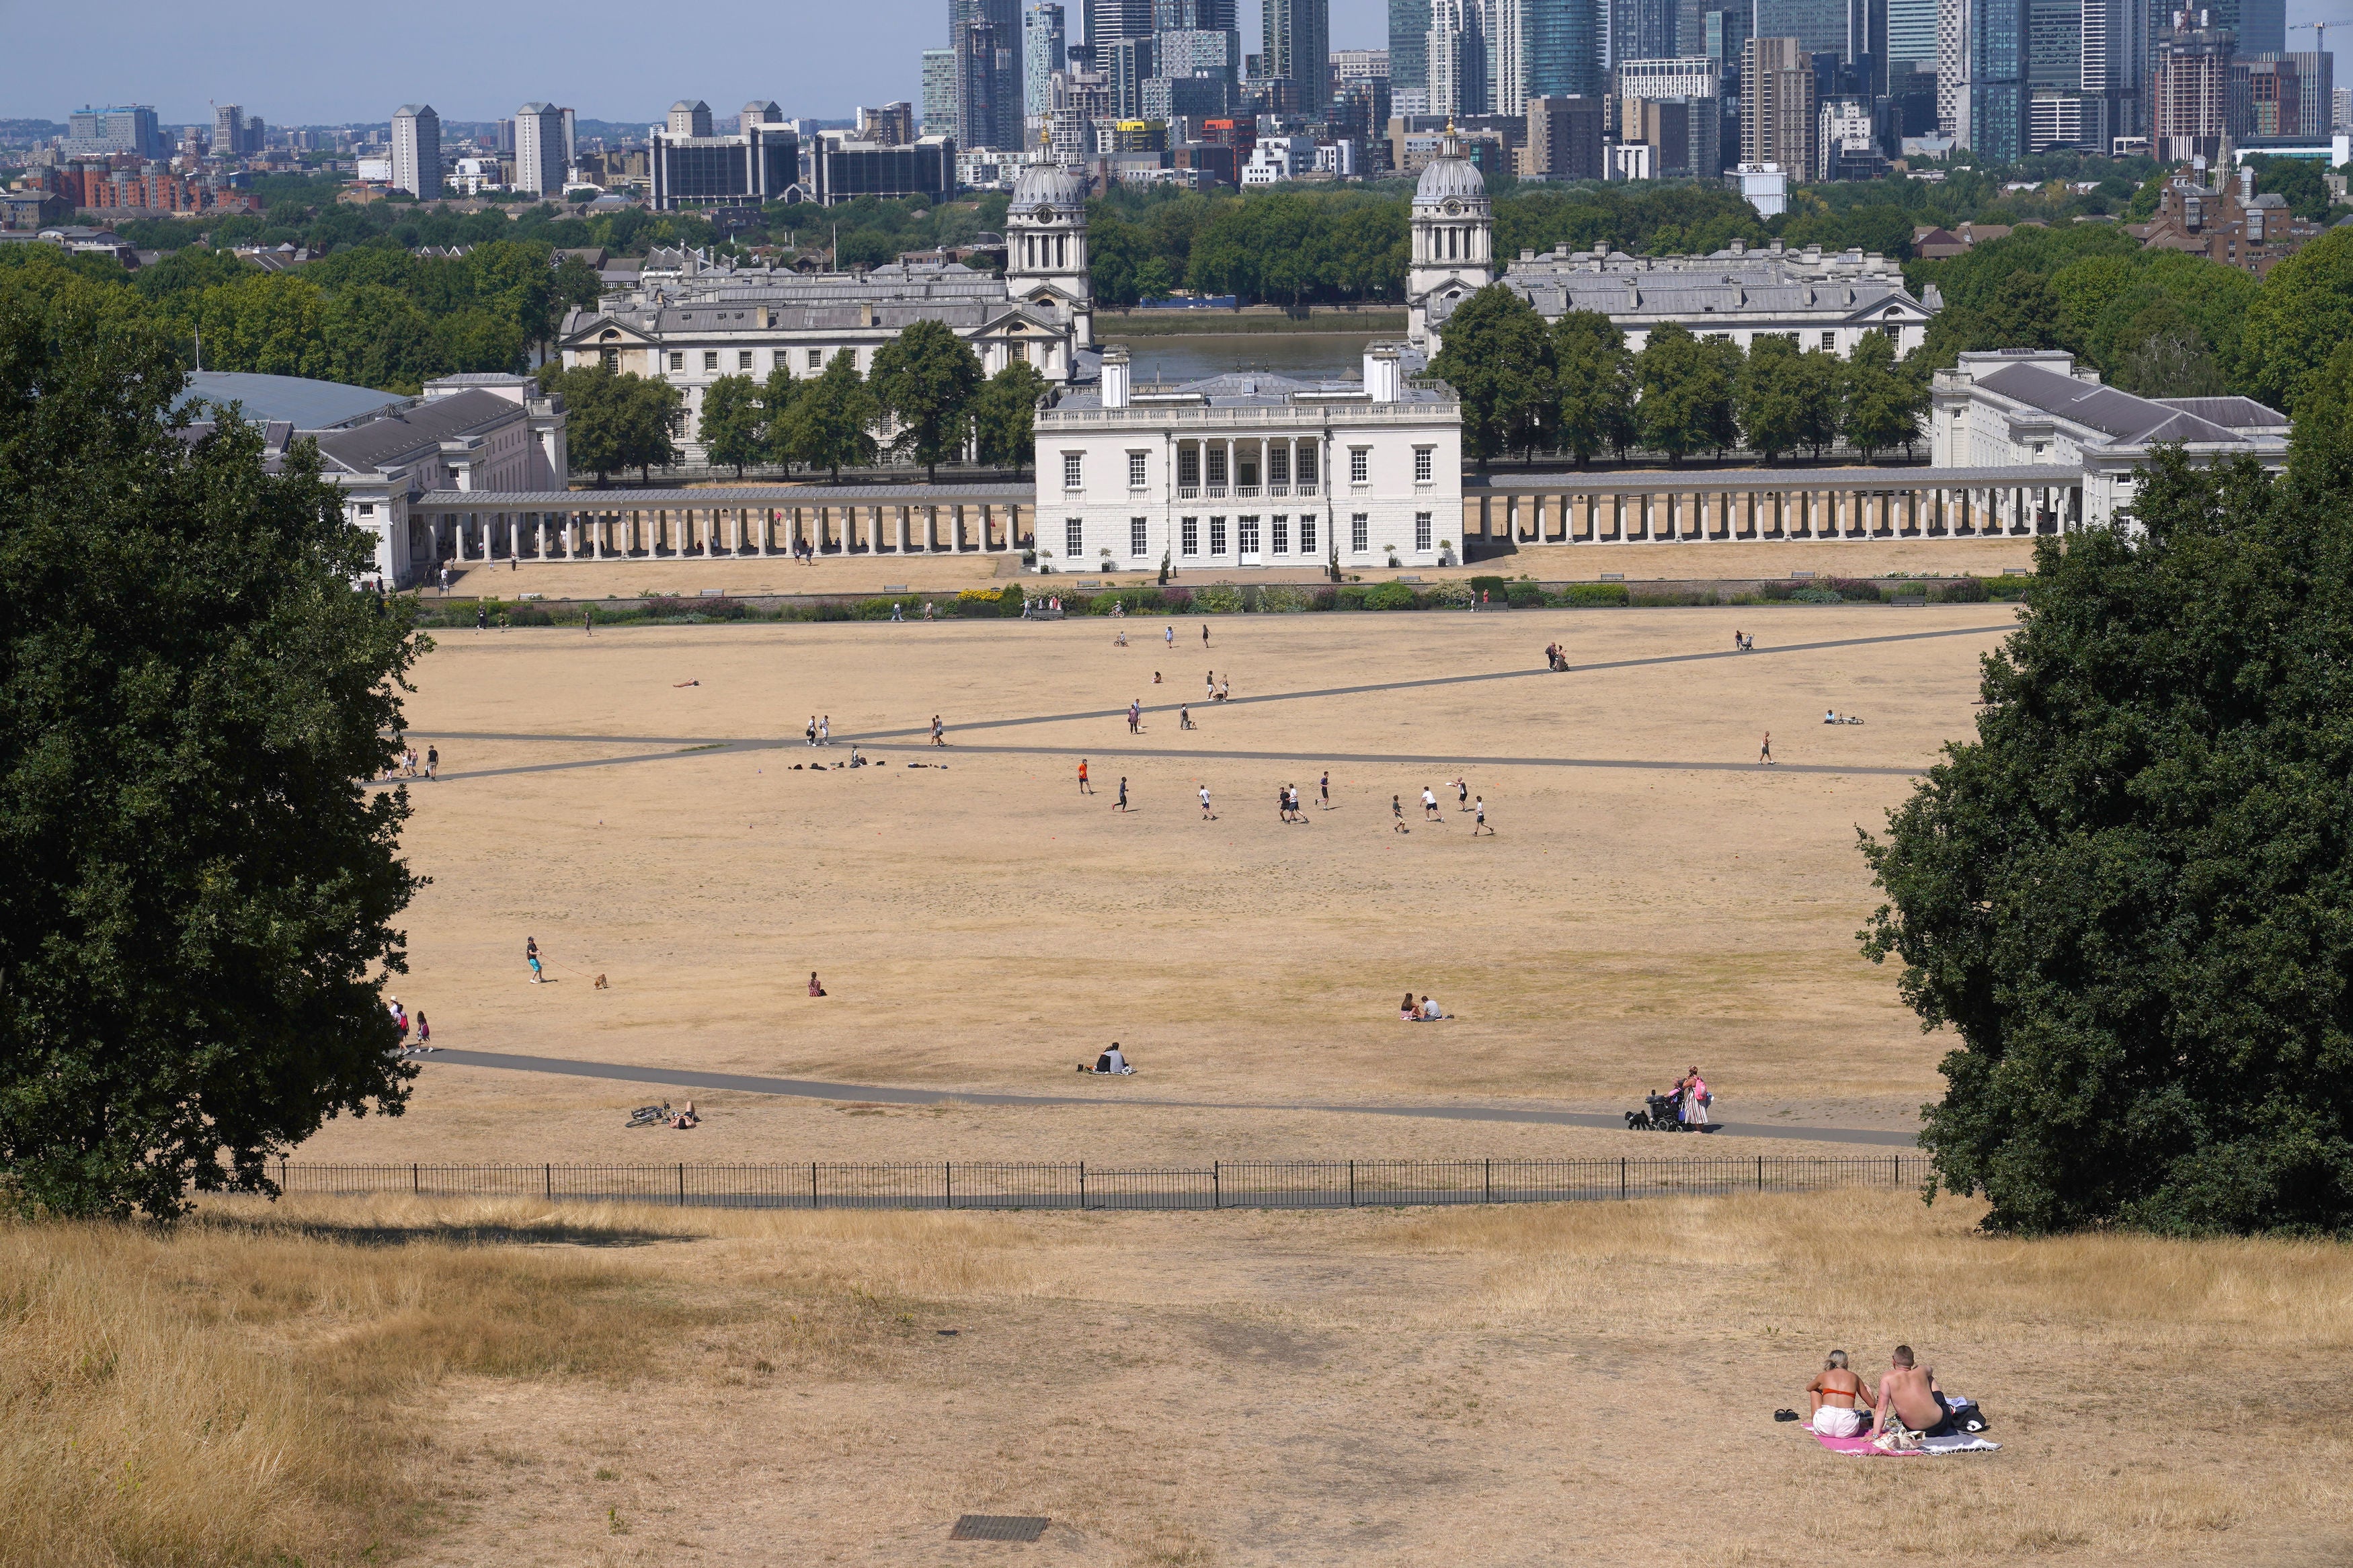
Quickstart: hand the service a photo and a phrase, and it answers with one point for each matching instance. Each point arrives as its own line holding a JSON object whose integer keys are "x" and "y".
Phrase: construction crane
{"x": 2320, "y": 31}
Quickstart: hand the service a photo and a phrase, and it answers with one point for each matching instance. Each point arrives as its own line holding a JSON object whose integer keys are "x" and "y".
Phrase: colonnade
{"x": 1247, "y": 467}
{"x": 1712, "y": 509}
{"x": 718, "y": 533}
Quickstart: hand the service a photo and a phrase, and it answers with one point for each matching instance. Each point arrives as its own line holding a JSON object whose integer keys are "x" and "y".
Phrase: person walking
{"x": 1169, "y": 637}
{"x": 531, "y": 956}
{"x": 445, "y": 579}
{"x": 503, "y": 621}
{"x": 1084, "y": 788}
{"x": 1479, "y": 823}
{"x": 432, "y": 762}
{"x": 482, "y": 618}
{"x": 1123, "y": 794}
{"x": 588, "y": 620}
{"x": 1135, "y": 716}
{"x": 1205, "y": 634}
{"x": 1696, "y": 1100}
{"x": 424, "y": 1032}
{"x": 825, "y": 730}
{"x": 1324, "y": 788}
{"x": 1397, "y": 815}
{"x": 1207, "y": 815}
{"x": 810, "y": 730}
{"x": 1283, "y": 802}
{"x": 1185, "y": 717}
{"x": 939, "y": 732}
{"x": 1765, "y": 756}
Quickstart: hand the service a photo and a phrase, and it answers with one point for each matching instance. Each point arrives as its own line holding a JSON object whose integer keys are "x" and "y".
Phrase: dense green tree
{"x": 378, "y": 337}
{"x": 1005, "y": 415}
{"x": 652, "y": 412}
{"x": 2128, "y": 897}
{"x": 1882, "y": 406}
{"x": 197, "y": 920}
{"x": 2304, "y": 311}
{"x": 924, "y": 379}
{"x": 1771, "y": 396}
{"x": 2161, "y": 353}
{"x": 730, "y": 425}
{"x": 1497, "y": 354}
{"x": 1593, "y": 378}
{"x": 832, "y": 419}
{"x": 1821, "y": 406}
{"x": 1687, "y": 397}
{"x": 778, "y": 394}
{"x": 592, "y": 397}
{"x": 2297, "y": 179}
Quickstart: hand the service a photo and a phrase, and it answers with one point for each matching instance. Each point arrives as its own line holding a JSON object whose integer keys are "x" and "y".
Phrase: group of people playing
{"x": 1464, "y": 801}
{"x": 1842, "y": 1405}
{"x": 1287, "y": 801}
{"x": 400, "y": 1020}
{"x": 1423, "y": 1011}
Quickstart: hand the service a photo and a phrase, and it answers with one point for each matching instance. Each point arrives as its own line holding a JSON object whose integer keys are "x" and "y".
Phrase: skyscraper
{"x": 688, "y": 116}
{"x": 416, "y": 151}
{"x": 1565, "y": 49}
{"x": 1989, "y": 107}
{"x": 1777, "y": 105}
{"x": 940, "y": 93}
{"x": 1643, "y": 30}
{"x": 988, "y": 70}
{"x": 1912, "y": 32}
{"x": 1109, "y": 20}
{"x": 539, "y": 149}
{"x": 1457, "y": 51}
{"x": 2190, "y": 91}
{"x": 1818, "y": 26}
{"x": 228, "y": 130}
{"x": 1042, "y": 48}
{"x": 1409, "y": 44}
{"x": 1298, "y": 46}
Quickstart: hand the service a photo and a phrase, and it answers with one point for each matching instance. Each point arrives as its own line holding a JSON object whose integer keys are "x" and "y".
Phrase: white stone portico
{"x": 1251, "y": 470}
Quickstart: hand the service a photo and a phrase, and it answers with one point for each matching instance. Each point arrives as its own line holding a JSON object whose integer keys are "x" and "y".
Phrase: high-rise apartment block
{"x": 1776, "y": 106}
{"x": 1298, "y": 48}
{"x": 1043, "y": 46}
{"x": 125, "y": 128}
{"x": 540, "y": 161}
{"x": 2189, "y": 90}
{"x": 1456, "y": 49}
{"x": 1408, "y": 45}
{"x": 416, "y": 151}
{"x": 1643, "y": 30}
{"x": 1564, "y": 138}
{"x": 940, "y": 93}
{"x": 892, "y": 125}
{"x": 986, "y": 36}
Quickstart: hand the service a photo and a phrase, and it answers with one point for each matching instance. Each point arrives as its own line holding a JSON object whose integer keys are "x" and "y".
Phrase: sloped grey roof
{"x": 371, "y": 445}
{"x": 2102, "y": 408}
{"x": 2232, "y": 413}
{"x": 305, "y": 403}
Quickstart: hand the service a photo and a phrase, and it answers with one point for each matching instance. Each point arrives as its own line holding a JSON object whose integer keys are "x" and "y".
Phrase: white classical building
{"x": 1250, "y": 470}
{"x": 1814, "y": 299}
{"x": 707, "y": 319}
{"x": 2032, "y": 408}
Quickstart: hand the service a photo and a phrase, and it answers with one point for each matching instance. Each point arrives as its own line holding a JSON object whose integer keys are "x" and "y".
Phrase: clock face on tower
{"x": 1453, "y": 209}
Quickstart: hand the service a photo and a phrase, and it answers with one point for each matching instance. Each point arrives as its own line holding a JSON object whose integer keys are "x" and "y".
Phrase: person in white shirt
{"x": 1429, "y": 803}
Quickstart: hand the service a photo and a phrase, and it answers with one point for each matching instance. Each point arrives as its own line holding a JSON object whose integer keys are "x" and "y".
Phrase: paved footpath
{"x": 810, "y": 1088}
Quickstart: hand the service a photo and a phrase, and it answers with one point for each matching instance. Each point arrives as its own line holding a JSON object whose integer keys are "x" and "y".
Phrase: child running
{"x": 1084, "y": 787}
{"x": 1325, "y": 787}
{"x": 1429, "y": 805}
{"x": 1397, "y": 815}
{"x": 1123, "y": 794}
{"x": 1479, "y": 823}
{"x": 1207, "y": 815}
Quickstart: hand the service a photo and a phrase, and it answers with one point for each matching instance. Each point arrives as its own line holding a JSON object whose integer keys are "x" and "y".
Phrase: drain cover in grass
{"x": 997, "y": 1526}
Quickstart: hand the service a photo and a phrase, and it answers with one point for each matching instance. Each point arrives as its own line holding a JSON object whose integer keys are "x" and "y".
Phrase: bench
{"x": 1909, "y": 601}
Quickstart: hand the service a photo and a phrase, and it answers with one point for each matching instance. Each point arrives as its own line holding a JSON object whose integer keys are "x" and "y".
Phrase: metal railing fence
{"x": 1220, "y": 1185}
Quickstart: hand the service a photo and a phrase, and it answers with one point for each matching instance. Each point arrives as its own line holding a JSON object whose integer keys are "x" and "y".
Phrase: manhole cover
{"x": 997, "y": 1526}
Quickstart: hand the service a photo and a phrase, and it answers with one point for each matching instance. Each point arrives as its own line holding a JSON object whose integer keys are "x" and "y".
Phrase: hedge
{"x": 1584, "y": 594}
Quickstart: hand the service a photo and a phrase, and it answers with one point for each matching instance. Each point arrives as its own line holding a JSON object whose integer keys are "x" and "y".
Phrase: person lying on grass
{"x": 1840, "y": 1402}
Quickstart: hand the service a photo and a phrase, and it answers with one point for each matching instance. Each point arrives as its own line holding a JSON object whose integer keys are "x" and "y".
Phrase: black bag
{"x": 1971, "y": 1417}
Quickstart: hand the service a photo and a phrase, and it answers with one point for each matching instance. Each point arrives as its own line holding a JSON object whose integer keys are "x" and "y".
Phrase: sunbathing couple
{"x": 1427, "y": 1012}
{"x": 1113, "y": 1060}
{"x": 1843, "y": 1403}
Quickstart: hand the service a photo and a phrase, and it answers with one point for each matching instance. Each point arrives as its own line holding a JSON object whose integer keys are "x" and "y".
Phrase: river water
{"x": 1191, "y": 356}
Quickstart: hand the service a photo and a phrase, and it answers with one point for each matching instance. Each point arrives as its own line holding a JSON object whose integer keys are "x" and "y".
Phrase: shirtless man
{"x": 1839, "y": 1402}
{"x": 1909, "y": 1393}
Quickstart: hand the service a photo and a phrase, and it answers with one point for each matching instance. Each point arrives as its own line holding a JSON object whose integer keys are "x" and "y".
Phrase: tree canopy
{"x": 924, "y": 379}
{"x": 196, "y": 921}
{"x": 2131, "y": 896}
{"x": 1497, "y": 354}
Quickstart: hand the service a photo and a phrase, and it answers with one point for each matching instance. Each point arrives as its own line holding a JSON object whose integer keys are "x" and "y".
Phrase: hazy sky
{"x": 296, "y": 65}
{"x": 327, "y": 64}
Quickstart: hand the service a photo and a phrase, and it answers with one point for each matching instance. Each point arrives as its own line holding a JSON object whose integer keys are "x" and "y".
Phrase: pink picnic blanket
{"x": 1933, "y": 1448}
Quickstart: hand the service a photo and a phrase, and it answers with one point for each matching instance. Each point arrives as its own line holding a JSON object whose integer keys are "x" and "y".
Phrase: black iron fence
{"x": 1221, "y": 1184}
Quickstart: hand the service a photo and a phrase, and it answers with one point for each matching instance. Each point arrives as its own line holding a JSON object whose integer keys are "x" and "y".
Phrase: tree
{"x": 924, "y": 379}
{"x": 2128, "y": 897}
{"x": 1593, "y": 379}
{"x": 1822, "y": 408}
{"x": 777, "y": 396}
{"x": 651, "y": 412}
{"x": 1686, "y": 394}
{"x": 2161, "y": 353}
{"x": 1005, "y": 415}
{"x": 2303, "y": 312}
{"x": 730, "y": 426}
{"x": 1883, "y": 405}
{"x": 1771, "y": 396}
{"x": 198, "y": 915}
{"x": 1497, "y": 356}
{"x": 592, "y": 416}
{"x": 830, "y": 420}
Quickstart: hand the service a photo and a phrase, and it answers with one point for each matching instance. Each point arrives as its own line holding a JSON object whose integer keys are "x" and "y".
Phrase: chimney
{"x": 1384, "y": 381}
{"x": 1114, "y": 377}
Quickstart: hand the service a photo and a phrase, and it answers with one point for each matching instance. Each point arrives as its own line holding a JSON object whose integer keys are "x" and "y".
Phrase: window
{"x": 1307, "y": 536}
{"x": 678, "y": 362}
{"x": 816, "y": 359}
{"x": 1216, "y": 465}
{"x": 1073, "y": 469}
{"x": 1188, "y": 536}
{"x": 1135, "y": 471}
{"x": 1422, "y": 465}
{"x": 711, "y": 359}
{"x": 1246, "y": 534}
{"x": 1216, "y": 536}
{"x": 1360, "y": 464}
{"x": 1421, "y": 530}
{"x": 1360, "y": 533}
{"x": 1278, "y": 466}
{"x": 1136, "y": 542}
{"x": 1307, "y": 465}
{"x": 613, "y": 361}
{"x": 743, "y": 358}
{"x": 1189, "y": 468}
{"x": 1074, "y": 539}
{"x": 1279, "y": 534}
{"x": 1829, "y": 340}
{"x": 367, "y": 508}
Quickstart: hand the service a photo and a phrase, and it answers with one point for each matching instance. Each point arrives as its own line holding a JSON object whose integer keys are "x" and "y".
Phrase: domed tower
{"x": 1453, "y": 240}
{"x": 1046, "y": 245}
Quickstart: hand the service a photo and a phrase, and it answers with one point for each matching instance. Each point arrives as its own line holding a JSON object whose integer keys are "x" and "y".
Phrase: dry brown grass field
{"x": 500, "y": 1384}
{"x": 981, "y": 926}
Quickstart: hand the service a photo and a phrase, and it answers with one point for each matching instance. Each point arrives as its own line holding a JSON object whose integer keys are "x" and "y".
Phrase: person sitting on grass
{"x": 815, "y": 989}
{"x": 1406, "y": 1011}
{"x": 1431, "y": 1012}
{"x": 1839, "y": 1401}
{"x": 1113, "y": 1060}
{"x": 1908, "y": 1396}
